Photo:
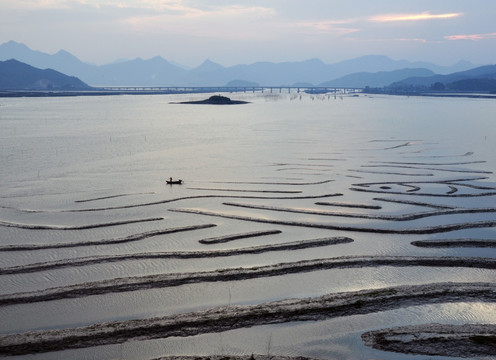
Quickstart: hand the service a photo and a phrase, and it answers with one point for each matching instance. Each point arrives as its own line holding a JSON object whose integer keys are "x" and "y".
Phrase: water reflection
{"x": 394, "y": 156}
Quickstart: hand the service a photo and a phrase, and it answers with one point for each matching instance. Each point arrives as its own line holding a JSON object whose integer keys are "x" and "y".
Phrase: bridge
{"x": 158, "y": 90}
{"x": 231, "y": 89}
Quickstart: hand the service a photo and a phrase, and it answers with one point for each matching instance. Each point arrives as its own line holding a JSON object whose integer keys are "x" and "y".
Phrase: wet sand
{"x": 235, "y": 274}
{"x": 234, "y": 317}
{"x": 467, "y": 340}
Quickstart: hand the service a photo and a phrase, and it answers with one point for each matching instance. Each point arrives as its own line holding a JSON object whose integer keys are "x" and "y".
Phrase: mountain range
{"x": 370, "y": 70}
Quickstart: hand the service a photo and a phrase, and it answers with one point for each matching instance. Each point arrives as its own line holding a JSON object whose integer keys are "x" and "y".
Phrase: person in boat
{"x": 174, "y": 182}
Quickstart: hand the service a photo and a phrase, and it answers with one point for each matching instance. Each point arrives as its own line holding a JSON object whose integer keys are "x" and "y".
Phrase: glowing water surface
{"x": 71, "y": 162}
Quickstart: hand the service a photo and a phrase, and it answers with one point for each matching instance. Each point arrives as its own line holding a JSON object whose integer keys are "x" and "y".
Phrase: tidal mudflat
{"x": 306, "y": 227}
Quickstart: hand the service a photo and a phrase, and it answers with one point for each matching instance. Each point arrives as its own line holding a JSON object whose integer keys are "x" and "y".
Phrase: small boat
{"x": 171, "y": 182}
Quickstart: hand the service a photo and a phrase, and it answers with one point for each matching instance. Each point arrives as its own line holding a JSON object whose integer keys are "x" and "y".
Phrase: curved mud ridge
{"x": 160, "y": 202}
{"x": 77, "y": 227}
{"x": 235, "y": 357}
{"x": 112, "y": 197}
{"x": 412, "y": 231}
{"x": 415, "y": 203}
{"x": 449, "y": 181}
{"x": 389, "y": 173}
{"x": 90, "y": 260}
{"x": 236, "y": 274}
{"x": 429, "y": 168}
{"x": 452, "y": 186}
{"x": 409, "y": 143}
{"x": 403, "y": 217}
{"x": 234, "y": 317}
{"x": 456, "y": 243}
{"x": 272, "y": 183}
{"x": 467, "y": 340}
{"x": 468, "y": 153}
{"x": 349, "y": 205}
{"x": 302, "y": 164}
{"x": 449, "y": 193}
{"x": 120, "y": 240}
{"x": 430, "y": 163}
{"x": 249, "y": 191}
{"x": 227, "y": 238}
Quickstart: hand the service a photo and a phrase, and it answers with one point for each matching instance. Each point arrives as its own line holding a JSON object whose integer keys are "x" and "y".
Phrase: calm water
{"x": 72, "y": 162}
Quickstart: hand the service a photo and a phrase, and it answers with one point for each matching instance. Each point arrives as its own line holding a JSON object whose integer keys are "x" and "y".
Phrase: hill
{"x": 481, "y": 72}
{"x": 15, "y": 75}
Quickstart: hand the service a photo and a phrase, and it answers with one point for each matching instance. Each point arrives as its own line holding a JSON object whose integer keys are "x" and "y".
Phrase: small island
{"x": 216, "y": 100}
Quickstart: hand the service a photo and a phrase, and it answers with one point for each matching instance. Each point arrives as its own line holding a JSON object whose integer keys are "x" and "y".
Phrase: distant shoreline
{"x": 469, "y": 95}
{"x": 42, "y": 93}
{"x": 75, "y": 93}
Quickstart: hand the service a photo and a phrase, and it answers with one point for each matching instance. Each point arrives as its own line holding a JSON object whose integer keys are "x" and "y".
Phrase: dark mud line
{"x": 161, "y": 202}
{"x": 304, "y": 169}
{"x": 400, "y": 146}
{"x": 415, "y": 203}
{"x": 349, "y": 205}
{"x": 450, "y": 184}
{"x": 455, "y": 243}
{"x": 466, "y": 340}
{"x": 468, "y": 153}
{"x": 112, "y": 197}
{"x": 121, "y": 240}
{"x": 78, "y": 227}
{"x": 428, "y": 168}
{"x": 227, "y": 238}
{"x": 288, "y": 246}
{"x": 449, "y": 194}
{"x": 430, "y": 164}
{"x": 272, "y": 183}
{"x": 392, "y": 140}
{"x": 450, "y": 181}
{"x": 471, "y": 186}
{"x": 452, "y": 191}
{"x": 22, "y": 210}
{"x": 249, "y": 191}
{"x": 302, "y": 164}
{"x": 403, "y": 217}
{"x": 324, "y": 159}
{"x": 234, "y": 317}
{"x": 235, "y": 357}
{"x": 411, "y": 188}
{"x": 235, "y": 274}
{"x": 389, "y": 173}
{"x": 412, "y": 231}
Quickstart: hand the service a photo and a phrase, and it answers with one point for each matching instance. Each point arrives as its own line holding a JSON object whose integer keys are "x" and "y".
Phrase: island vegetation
{"x": 215, "y": 100}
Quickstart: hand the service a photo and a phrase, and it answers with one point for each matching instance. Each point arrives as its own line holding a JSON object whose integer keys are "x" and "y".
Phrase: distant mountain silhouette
{"x": 61, "y": 61}
{"x": 15, "y": 75}
{"x": 159, "y": 72}
{"x": 376, "y": 63}
{"x": 377, "y": 79}
{"x": 482, "y": 72}
{"x": 137, "y": 72}
{"x": 207, "y": 66}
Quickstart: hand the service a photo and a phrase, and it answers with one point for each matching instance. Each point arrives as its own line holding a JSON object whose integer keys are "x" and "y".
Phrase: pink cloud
{"x": 328, "y": 27}
{"x": 473, "y": 37}
{"x": 413, "y": 17}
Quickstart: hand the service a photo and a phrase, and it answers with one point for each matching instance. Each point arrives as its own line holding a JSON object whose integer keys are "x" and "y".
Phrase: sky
{"x": 246, "y": 31}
